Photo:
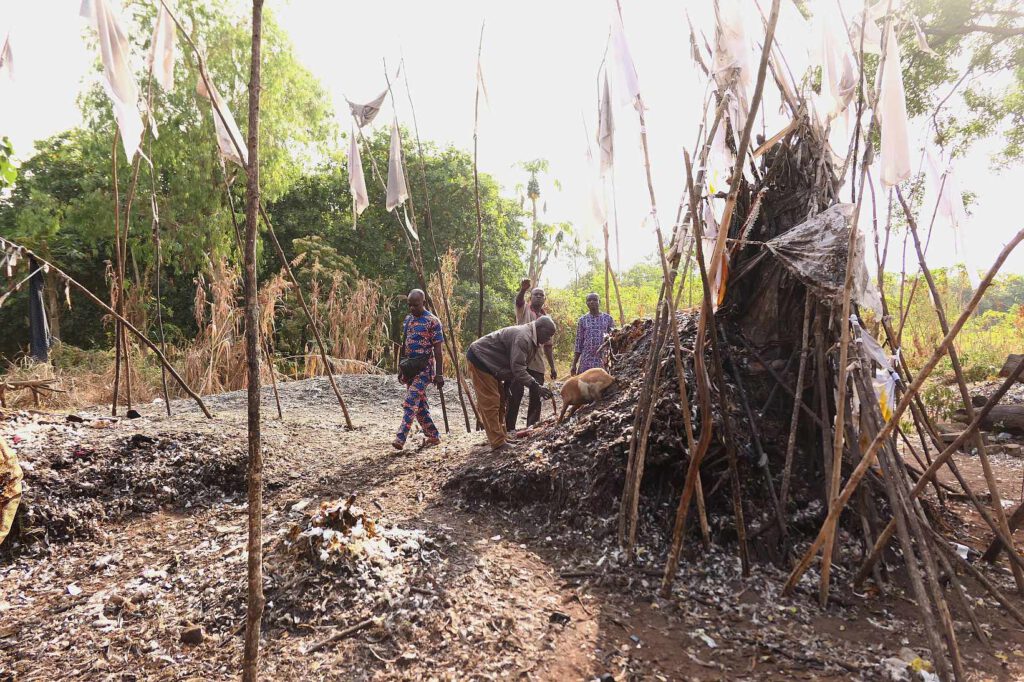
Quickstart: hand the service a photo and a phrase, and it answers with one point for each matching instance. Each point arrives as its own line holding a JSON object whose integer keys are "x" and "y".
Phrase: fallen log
{"x": 1001, "y": 417}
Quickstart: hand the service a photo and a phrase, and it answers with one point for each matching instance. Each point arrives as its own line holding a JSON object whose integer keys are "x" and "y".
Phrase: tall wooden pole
{"x": 450, "y": 339}
{"x": 476, "y": 193}
{"x": 255, "y": 600}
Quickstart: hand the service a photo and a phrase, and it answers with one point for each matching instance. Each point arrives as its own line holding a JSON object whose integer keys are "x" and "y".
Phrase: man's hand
{"x": 438, "y": 380}
{"x": 545, "y": 392}
{"x": 554, "y": 373}
{"x": 524, "y": 285}
{"x": 572, "y": 370}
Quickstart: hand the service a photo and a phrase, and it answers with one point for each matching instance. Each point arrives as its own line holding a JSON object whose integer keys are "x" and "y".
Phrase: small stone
{"x": 192, "y": 634}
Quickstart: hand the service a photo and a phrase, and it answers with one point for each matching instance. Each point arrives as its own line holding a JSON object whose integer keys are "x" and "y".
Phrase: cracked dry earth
{"x": 131, "y": 566}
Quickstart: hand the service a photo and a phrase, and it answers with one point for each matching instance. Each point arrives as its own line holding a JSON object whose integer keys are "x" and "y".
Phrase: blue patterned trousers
{"x": 415, "y": 407}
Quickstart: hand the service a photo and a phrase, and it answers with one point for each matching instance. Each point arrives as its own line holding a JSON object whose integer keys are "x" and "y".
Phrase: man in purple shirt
{"x": 590, "y": 333}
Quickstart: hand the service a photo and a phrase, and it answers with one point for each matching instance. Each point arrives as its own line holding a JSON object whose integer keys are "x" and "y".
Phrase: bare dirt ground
{"x": 130, "y": 565}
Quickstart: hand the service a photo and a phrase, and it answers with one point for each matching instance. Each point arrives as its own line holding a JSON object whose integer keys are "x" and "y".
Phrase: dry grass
{"x": 353, "y": 317}
{"x": 446, "y": 279}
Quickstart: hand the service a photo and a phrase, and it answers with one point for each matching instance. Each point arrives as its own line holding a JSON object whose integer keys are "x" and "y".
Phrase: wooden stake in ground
{"x": 476, "y": 191}
{"x": 255, "y": 599}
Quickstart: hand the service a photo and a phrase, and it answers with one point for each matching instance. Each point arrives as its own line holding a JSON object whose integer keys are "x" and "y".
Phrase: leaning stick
{"x": 869, "y": 456}
{"x": 979, "y": 443}
{"x": 453, "y": 350}
{"x": 476, "y": 192}
{"x": 940, "y": 459}
{"x": 128, "y": 325}
{"x": 980, "y": 577}
{"x": 266, "y": 219}
{"x": 238, "y": 239}
{"x": 115, "y": 298}
{"x": 309, "y": 316}
{"x": 704, "y": 397}
{"x": 797, "y": 401}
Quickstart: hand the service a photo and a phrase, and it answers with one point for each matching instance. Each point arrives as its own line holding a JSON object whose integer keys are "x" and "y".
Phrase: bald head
{"x": 545, "y": 328}
{"x": 417, "y": 301}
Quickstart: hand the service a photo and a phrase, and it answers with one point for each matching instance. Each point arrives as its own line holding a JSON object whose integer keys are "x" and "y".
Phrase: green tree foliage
{"x": 8, "y": 172}
{"x": 320, "y": 204}
{"x": 63, "y": 202}
{"x": 982, "y": 42}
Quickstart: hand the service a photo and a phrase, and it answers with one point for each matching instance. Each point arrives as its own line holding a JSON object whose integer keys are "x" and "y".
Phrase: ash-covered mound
{"x": 576, "y": 470}
{"x": 77, "y": 477}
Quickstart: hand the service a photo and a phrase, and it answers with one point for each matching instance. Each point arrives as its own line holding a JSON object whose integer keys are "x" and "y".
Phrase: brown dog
{"x": 584, "y": 388}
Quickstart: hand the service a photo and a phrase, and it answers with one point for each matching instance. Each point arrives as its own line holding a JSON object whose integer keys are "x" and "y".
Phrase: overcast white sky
{"x": 540, "y": 62}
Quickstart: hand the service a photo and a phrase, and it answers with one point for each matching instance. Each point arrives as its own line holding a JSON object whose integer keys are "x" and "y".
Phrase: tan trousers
{"x": 488, "y": 405}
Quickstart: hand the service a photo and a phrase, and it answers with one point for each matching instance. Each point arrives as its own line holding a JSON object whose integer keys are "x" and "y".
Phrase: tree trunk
{"x": 254, "y": 607}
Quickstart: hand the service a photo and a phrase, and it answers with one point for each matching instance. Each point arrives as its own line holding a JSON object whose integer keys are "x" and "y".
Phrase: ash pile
{"x": 343, "y": 559}
{"x": 80, "y": 474}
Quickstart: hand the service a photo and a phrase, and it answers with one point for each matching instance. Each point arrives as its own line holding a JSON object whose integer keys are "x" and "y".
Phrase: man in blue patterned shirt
{"x": 421, "y": 346}
{"x": 590, "y": 333}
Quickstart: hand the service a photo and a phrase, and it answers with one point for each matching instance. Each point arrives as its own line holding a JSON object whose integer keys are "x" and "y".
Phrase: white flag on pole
{"x": 892, "y": 114}
{"x": 161, "y": 56}
{"x": 118, "y": 80}
{"x": 7, "y": 57}
{"x": 356, "y": 179}
{"x": 365, "y": 113}
{"x": 606, "y": 129}
{"x": 630, "y": 87}
{"x": 227, "y": 129}
{"x": 397, "y": 191}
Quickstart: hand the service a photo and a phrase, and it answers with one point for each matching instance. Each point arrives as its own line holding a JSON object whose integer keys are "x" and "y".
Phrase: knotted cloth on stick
{"x": 365, "y": 113}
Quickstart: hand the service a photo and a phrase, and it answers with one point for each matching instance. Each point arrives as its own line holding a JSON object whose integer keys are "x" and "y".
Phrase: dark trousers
{"x": 514, "y": 391}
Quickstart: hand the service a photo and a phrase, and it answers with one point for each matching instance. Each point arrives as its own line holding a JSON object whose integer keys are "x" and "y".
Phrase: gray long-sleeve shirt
{"x": 506, "y": 353}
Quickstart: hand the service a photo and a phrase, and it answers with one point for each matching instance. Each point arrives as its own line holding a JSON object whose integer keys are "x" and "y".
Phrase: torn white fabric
{"x": 596, "y": 204}
{"x": 227, "y": 129}
{"x": 161, "y": 56}
{"x": 118, "y": 79}
{"x": 838, "y": 69}
{"x": 892, "y": 115}
{"x": 944, "y": 200}
{"x": 397, "y": 190}
{"x": 629, "y": 88}
{"x": 922, "y": 40}
{"x": 356, "y": 179}
{"x": 7, "y": 57}
{"x": 606, "y": 129}
{"x": 868, "y": 17}
{"x": 732, "y": 65}
{"x": 365, "y": 113}
{"x": 886, "y": 379}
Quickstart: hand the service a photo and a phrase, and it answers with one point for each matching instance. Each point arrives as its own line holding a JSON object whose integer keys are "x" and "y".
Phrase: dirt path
{"x": 155, "y": 518}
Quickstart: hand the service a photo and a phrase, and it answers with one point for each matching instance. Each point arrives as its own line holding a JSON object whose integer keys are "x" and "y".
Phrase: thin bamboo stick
{"x": 795, "y": 418}
{"x": 476, "y": 192}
